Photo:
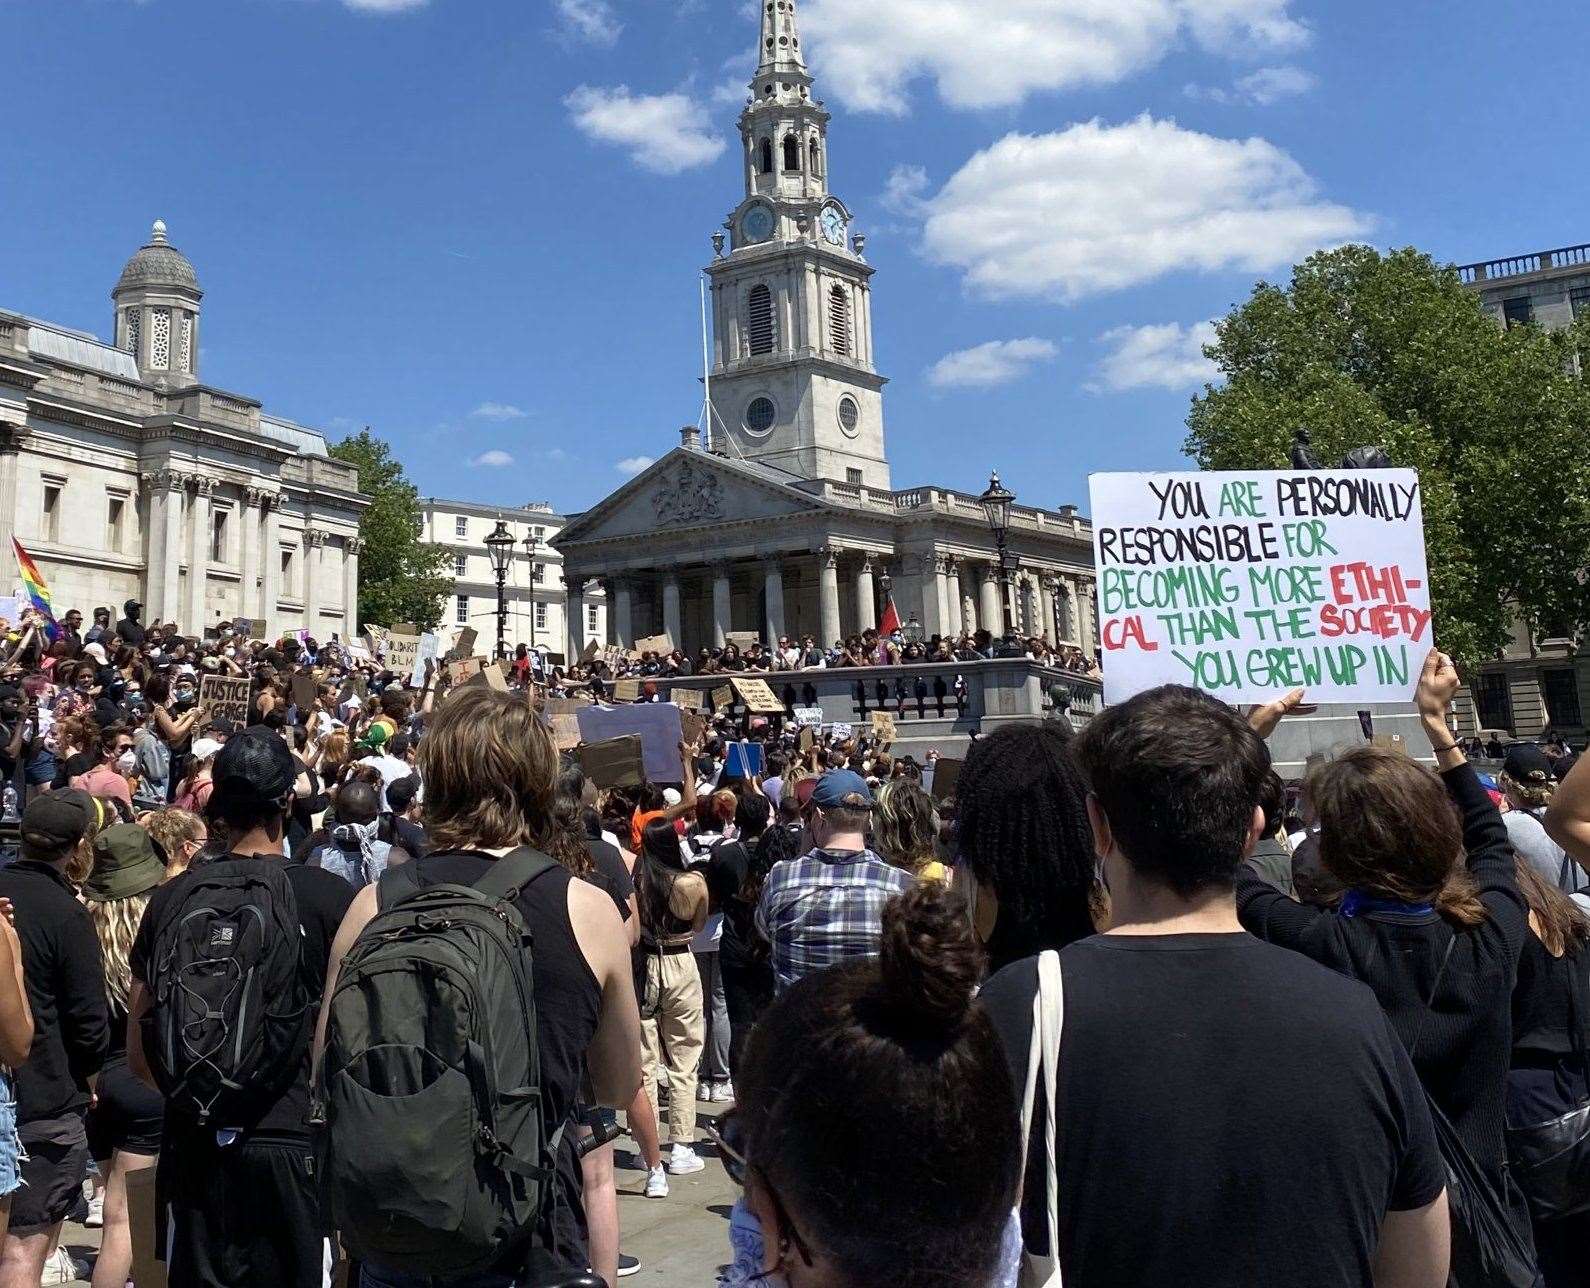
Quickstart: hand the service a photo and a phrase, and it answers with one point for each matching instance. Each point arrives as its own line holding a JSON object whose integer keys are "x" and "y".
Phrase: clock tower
{"x": 793, "y": 381}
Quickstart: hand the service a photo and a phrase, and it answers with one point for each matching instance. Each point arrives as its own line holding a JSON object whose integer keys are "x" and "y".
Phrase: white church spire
{"x": 780, "y": 52}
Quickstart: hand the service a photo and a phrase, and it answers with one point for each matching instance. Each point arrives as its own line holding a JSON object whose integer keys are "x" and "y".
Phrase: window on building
{"x": 759, "y": 320}
{"x": 130, "y": 336}
{"x": 460, "y": 526}
{"x": 115, "y": 522}
{"x": 1517, "y": 311}
{"x": 461, "y": 616}
{"x": 541, "y": 617}
{"x": 767, "y": 156}
{"x": 218, "y": 523}
{"x": 539, "y": 534}
{"x": 540, "y": 574}
{"x": 792, "y": 153}
{"x": 590, "y": 618}
{"x": 160, "y": 340}
{"x": 1492, "y": 701}
{"x": 853, "y": 476}
{"x": 1560, "y": 688}
{"x": 460, "y": 565}
{"x": 1579, "y": 300}
{"x": 289, "y": 572}
{"x": 185, "y": 348}
{"x": 50, "y": 527}
{"x": 839, "y": 321}
{"x": 816, "y": 158}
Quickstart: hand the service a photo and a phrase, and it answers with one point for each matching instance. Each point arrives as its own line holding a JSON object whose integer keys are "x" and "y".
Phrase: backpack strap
{"x": 396, "y": 883}
{"x": 510, "y": 874}
{"x": 1435, "y": 988}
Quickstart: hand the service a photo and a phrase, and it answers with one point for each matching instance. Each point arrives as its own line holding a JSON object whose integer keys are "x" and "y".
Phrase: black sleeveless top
{"x": 568, "y": 1001}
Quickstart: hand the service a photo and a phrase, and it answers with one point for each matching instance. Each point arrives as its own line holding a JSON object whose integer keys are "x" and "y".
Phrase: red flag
{"x": 891, "y": 619}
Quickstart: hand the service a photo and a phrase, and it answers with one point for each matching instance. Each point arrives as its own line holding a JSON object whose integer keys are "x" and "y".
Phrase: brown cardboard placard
{"x": 688, "y": 699}
{"x": 883, "y": 727}
{"x": 626, "y": 691}
{"x": 463, "y": 669}
{"x": 759, "y": 699}
{"x": 614, "y": 762}
{"x": 566, "y": 706}
{"x": 807, "y": 738}
{"x": 660, "y": 644}
{"x": 464, "y": 645}
{"x": 946, "y": 773}
{"x": 303, "y": 690}
{"x": 692, "y": 726}
{"x": 402, "y": 652}
{"x": 723, "y": 697}
{"x": 742, "y": 640}
{"x": 225, "y": 697}
{"x": 1390, "y": 741}
{"x": 565, "y": 732}
{"x": 588, "y": 655}
{"x": 257, "y": 626}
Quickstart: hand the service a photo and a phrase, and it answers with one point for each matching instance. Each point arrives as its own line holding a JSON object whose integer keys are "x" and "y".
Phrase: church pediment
{"x": 685, "y": 491}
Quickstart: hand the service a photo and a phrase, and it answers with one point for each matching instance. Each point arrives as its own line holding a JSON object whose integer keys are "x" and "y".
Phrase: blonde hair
{"x": 171, "y": 828}
{"x": 116, "y": 926}
{"x": 490, "y": 773}
{"x": 1526, "y": 795}
{"x": 905, "y": 825}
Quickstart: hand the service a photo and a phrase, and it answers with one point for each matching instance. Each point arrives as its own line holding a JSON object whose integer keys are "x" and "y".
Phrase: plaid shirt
{"x": 825, "y": 907}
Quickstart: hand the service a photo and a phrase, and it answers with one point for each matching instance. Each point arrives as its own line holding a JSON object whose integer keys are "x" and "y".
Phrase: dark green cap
{"x": 127, "y": 862}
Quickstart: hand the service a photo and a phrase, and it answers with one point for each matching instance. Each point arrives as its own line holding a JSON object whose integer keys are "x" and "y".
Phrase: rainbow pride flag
{"x": 38, "y": 589}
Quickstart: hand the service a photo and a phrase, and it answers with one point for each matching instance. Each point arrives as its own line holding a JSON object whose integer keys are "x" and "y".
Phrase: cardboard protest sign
{"x": 615, "y": 762}
{"x": 565, "y": 732}
{"x": 840, "y": 731}
{"x": 303, "y": 692}
{"x": 692, "y": 726}
{"x": 401, "y": 653}
{"x": 759, "y": 699}
{"x": 378, "y": 637}
{"x": 807, "y": 738}
{"x": 554, "y": 659}
{"x": 807, "y": 716}
{"x": 946, "y": 773}
{"x": 657, "y": 725}
{"x": 655, "y": 644}
{"x": 688, "y": 699}
{"x": 225, "y": 697}
{"x": 626, "y": 691}
{"x": 588, "y": 654}
{"x": 883, "y": 726}
{"x": 741, "y": 640}
{"x": 566, "y": 706}
{"x": 464, "y": 645}
{"x": 1248, "y": 584}
{"x": 614, "y": 658}
{"x": 463, "y": 669}
{"x": 722, "y": 697}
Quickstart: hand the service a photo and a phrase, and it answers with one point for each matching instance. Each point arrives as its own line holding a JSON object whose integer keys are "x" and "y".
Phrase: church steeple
{"x": 781, "y": 41}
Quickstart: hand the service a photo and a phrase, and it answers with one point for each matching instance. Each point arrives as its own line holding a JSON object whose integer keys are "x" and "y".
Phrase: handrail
{"x": 1520, "y": 265}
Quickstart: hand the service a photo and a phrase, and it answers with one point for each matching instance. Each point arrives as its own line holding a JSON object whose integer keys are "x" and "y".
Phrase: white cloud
{"x": 1098, "y": 207}
{"x": 590, "y": 20}
{"x": 1260, "y": 88}
{"x": 494, "y": 459}
{"x": 384, "y": 6}
{"x": 663, "y": 133}
{"x": 996, "y": 363}
{"x": 633, "y": 465}
{"x": 995, "y": 53}
{"x": 902, "y": 194}
{"x": 499, "y": 411}
{"x": 1169, "y": 356}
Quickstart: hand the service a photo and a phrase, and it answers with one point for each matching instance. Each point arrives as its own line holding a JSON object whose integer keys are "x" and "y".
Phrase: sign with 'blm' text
{"x": 1250, "y": 584}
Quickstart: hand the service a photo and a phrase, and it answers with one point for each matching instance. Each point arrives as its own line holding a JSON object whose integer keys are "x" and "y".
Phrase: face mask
{"x": 126, "y": 762}
{"x": 184, "y": 693}
{"x": 747, "y": 1245}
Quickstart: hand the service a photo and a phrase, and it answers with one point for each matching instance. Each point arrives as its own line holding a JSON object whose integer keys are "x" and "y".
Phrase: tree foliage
{"x": 400, "y": 577}
{"x": 1361, "y": 349}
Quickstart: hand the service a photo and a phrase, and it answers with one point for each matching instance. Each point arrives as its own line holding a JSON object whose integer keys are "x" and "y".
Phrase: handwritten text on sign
{"x": 1250, "y": 584}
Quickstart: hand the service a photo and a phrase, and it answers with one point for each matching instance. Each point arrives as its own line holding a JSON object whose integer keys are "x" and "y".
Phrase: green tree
{"x": 1362, "y": 349}
{"x": 400, "y": 577}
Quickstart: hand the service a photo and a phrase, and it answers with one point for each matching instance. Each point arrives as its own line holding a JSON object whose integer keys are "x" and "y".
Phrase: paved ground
{"x": 681, "y": 1240}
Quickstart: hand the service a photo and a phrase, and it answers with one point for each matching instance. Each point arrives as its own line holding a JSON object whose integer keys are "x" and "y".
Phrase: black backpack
{"x": 231, "y": 1008}
{"x": 433, "y": 1157}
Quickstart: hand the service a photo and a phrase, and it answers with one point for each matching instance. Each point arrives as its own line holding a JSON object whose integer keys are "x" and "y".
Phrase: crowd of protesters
{"x": 1336, "y": 1039}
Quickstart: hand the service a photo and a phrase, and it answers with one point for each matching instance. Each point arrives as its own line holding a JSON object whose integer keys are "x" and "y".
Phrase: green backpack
{"x": 433, "y": 1158}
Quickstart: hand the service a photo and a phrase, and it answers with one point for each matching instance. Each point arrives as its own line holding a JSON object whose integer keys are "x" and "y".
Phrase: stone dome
{"x": 158, "y": 263}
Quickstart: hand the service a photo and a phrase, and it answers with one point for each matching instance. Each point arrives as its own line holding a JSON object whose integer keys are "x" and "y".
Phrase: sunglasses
{"x": 728, "y": 1134}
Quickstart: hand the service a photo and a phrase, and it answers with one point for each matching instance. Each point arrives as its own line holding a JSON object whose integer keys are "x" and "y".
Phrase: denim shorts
{"x": 10, "y": 1144}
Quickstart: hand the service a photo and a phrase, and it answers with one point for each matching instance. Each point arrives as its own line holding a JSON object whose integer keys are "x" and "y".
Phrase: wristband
{"x": 1451, "y": 746}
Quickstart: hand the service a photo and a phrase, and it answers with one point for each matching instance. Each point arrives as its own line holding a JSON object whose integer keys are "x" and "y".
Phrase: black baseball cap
{"x": 254, "y": 769}
{"x": 1527, "y": 763}
{"x": 57, "y": 820}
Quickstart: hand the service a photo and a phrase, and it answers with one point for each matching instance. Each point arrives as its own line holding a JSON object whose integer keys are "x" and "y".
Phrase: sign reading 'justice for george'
{"x": 1247, "y": 585}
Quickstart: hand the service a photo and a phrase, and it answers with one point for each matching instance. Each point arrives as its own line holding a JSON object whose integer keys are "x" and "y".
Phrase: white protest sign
{"x": 1249, "y": 584}
{"x": 429, "y": 650}
{"x": 807, "y": 716}
{"x": 840, "y": 731}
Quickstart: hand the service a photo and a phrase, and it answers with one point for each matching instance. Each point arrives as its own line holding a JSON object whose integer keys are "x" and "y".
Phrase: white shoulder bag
{"x": 1048, "y": 1018}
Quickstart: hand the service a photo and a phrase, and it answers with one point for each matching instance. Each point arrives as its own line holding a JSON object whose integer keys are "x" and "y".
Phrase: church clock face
{"x": 833, "y": 224}
{"x": 757, "y": 224}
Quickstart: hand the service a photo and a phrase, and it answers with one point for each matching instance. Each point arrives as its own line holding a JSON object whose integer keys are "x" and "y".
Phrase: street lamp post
{"x": 530, "y": 544}
{"x": 499, "y": 547}
{"x": 996, "y": 503}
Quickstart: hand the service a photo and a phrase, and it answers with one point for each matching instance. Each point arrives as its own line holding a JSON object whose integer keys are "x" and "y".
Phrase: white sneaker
{"x": 684, "y": 1160}
{"x": 61, "y": 1269}
{"x": 96, "y": 1212}
{"x": 723, "y": 1093}
{"x": 704, "y": 1092}
{"x": 657, "y": 1183}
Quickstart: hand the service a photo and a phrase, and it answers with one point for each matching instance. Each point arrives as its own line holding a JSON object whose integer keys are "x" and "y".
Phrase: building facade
{"x": 784, "y": 519}
{"x": 539, "y": 613}
{"x": 126, "y": 477}
{"x": 1539, "y": 682}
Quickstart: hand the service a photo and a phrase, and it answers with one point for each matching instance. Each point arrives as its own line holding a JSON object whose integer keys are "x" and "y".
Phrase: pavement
{"x": 681, "y": 1240}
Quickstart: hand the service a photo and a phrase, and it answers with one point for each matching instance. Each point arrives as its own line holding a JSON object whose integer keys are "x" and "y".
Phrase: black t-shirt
{"x": 323, "y": 899}
{"x": 1230, "y": 1114}
{"x": 611, "y": 875}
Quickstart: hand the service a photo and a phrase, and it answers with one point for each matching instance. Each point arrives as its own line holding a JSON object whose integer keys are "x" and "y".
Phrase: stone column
{"x": 866, "y": 596}
{"x": 1084, "y": 611}
{"x": 314, "y": 543}
{"x": 574, "y": 616}
{"x": 1051, "y": 624}
{"x": 722, "y": 605}
{"x": 989, "y": 618}
{"x": 165, "y": 507}
{"x": 13, "y": 435}
{"x": 248, "y": 537}
{"x": 773, "y": 582}
{"x": 351, "y": 546}
{"x": 199, "y": 554}
{"x": 966, "y": 586}
{"x": 950, "y": 590}
{"x": 828, "y": 596}
{"x": 271, "y": 557}
{"x": 623, "y": 613}
{"x": 671, "y": 621}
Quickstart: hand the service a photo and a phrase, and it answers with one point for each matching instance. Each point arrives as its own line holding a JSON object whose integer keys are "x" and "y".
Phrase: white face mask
{"x": 126, "y": 762}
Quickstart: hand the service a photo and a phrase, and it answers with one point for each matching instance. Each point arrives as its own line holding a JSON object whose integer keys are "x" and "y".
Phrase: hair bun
{"x": 929, "y": 958}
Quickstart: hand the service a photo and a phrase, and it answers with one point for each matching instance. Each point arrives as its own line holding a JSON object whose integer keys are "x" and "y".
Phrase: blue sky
{"x": 477, "y": 225}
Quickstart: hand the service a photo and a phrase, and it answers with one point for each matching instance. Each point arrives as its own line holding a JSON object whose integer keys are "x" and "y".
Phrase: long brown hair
{"x": 490, "y": 773}
{"x": 1387, "y": 827}
{"x": 1558, "y": 922}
